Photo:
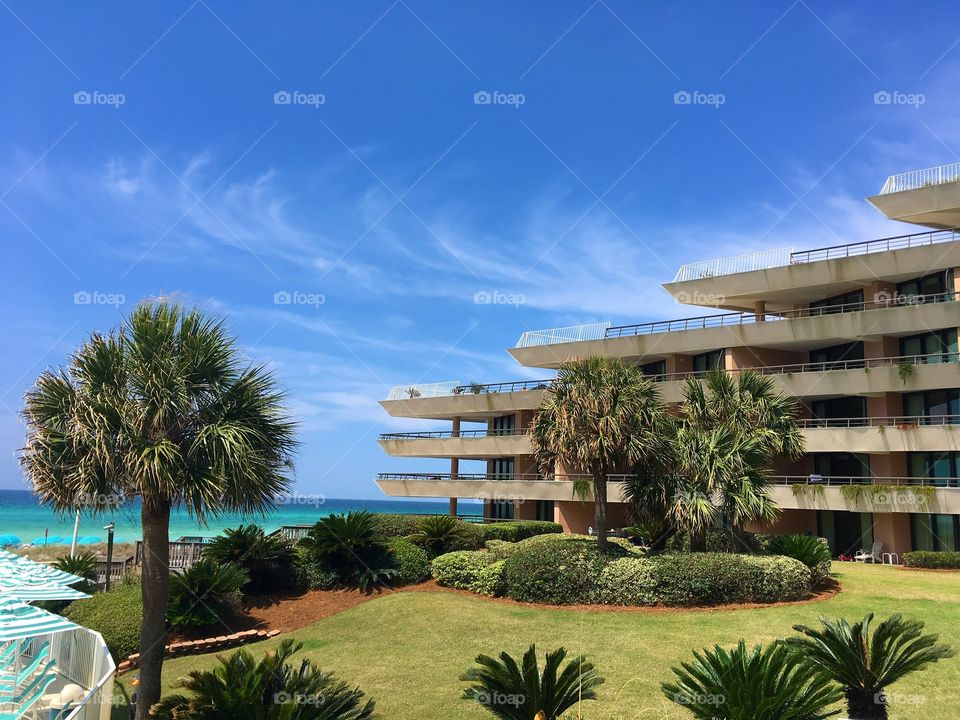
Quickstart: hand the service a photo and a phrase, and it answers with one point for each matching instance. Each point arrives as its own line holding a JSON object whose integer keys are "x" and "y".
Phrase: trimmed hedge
{"x": 702, "y": 579}
{"x": 393, "y": 525}
{"x": 117, "y": 615}
{"x": 518, "y": 530}
{"x": 718, "y": 540}
{"x": 501, "y": 549}
{"x": 490, "y": 580}
{"x": 413, "y": 565}
{"x": 559, "y": 570}
{"x": 933, "y": 560}
{"x": 460, "y": 569}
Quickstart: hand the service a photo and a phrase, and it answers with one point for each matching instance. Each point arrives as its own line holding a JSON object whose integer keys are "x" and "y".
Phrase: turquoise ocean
{"x": 21, "y": 515}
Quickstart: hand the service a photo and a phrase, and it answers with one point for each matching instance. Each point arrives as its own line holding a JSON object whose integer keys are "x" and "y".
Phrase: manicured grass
{"x": 407, "y": 650}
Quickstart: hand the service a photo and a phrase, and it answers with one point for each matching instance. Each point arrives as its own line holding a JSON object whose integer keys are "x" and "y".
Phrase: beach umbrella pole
{"x": 76, "y": 531}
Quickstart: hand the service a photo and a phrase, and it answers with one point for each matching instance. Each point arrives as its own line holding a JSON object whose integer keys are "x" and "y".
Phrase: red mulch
{"x": 291, "y": 611}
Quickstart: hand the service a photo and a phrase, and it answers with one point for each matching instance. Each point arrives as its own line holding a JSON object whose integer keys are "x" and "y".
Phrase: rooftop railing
{"x": 435, "y": 434}
{"x": 574, "y": 333}
{"x": 767, "y": 259}
{"x": 881, "y": 302}
{"x": 916, "y": 179}
{"x": 410, "y": 392}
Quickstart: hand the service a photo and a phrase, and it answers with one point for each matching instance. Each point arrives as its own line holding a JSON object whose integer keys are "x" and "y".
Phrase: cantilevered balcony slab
{"x": 905, "y": 436}
{"x": 792, "y": 333}
{"x": 929, "y": 197}
{"x": 879, "y": 497}
{"x": 475, "y": 445}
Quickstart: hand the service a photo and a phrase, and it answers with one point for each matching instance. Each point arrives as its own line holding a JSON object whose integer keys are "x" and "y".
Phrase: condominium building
{"x": 863, "y": 335}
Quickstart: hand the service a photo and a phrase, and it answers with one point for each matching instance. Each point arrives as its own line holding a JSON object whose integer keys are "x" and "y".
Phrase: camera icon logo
{"x": 282, "y": 297}
{"x": 282, "y": 97}
{"x": 682, "y": 97}
{"x": 82, "y": 298}
{"x": 82, "y": 97}
{"x": 882, "y": 97}
{"x": 482, "y": 97}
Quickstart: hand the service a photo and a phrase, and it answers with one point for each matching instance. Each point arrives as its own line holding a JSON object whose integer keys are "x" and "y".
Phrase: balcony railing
{"x": 411, "y": 392}
{"x": 485, "y": 433}
{"x": 915, "y": 179}
{"x": 493, "y": 477}
{"x": 815, "y": 480}
{"x": 881, "y": 302}
{"x": 574, "y": 333}
{"x": 907, "y": 421}
{"x": 767, "y": 259}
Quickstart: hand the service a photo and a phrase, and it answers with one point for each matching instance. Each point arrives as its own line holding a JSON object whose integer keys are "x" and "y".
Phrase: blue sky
{"x": 145, "y": 150}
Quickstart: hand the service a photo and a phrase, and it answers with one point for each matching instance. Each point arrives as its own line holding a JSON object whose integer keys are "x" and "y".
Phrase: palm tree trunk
{"x": 698, "y": 540}
{"x": 600, "y": 509}
{"x": 863, "y": 705}
{"x": 154, "y": 586}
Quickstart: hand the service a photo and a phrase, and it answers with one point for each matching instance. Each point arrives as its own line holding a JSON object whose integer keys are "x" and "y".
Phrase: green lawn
{"x": 406, "y": 650}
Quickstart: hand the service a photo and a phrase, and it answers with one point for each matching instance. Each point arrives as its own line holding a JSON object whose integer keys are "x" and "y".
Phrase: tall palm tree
{"x": 866, "y": 664}
{"x": 599, "y": 416}
{"x": 163, "y": 410}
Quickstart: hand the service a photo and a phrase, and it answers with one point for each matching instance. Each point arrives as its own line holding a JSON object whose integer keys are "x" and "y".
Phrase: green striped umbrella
{"x": 22, "y": 570}
{"x": 28, "y": 592}
{"x": 19, "y": 621}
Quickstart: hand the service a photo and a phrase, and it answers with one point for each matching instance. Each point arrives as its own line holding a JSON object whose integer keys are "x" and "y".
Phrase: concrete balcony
{"x": 883, "y": 435}
{"x": 879, "y": 495}
{"x": 928, "y": 197}
{"x": 476, "y": 402}
{"x": 519, "y": 488}
{"x": 467, "y": 444}
{"x": 800, "y": 330}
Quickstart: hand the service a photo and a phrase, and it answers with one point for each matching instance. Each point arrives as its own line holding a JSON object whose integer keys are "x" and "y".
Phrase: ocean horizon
{"x": 22, "y": 515}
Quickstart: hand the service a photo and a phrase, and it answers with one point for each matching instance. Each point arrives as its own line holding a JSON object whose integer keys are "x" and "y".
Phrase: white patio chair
{"x": 873, "y": 555}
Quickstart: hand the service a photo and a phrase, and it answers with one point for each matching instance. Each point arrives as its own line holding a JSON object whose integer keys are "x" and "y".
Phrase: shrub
{"x": 557, "y": 571}
{"x": 413, "y": 565}
{"x": 932, "y": 560}
{"x": 394, "y": 525}
{"x": 719, "y": 540}
{"x": 501, "y": 549}
{"x": 117, "y": 615}
{"x": 309, "y": 574}
{"x": 82, "y": 565}
{"x": 206, "y": 593}
{"x": 518, "y": 530}
{"x": 702, "y": 579}
{"x": 351, "y": 545}
{"x": 811, "y": 551}
{"x": 267, "y": 559}
{"x": 460, "y": 569}
{"x": 269, "y": 689}
{"x": 490, "y": 580}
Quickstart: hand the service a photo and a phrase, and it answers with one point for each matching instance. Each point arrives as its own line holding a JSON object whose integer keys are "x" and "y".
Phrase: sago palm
{"x": 865, "y": 664}
{"x": 751, "y": 684}
{"x": 599, "y": 416}
{"x": 351, "y": 546}
{"x": 268, "y": 559}
{"x": 163, "y": 410}
{"x": 243, "y": 688}
{"x": 438, "y": 534}
{"x": 522, "y": 692}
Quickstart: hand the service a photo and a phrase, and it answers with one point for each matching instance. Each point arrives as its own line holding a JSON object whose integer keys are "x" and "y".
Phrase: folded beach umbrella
{"x": 88, "y": 540}
{"x": 51, "y": 540}
{"x": 9, "y": 540}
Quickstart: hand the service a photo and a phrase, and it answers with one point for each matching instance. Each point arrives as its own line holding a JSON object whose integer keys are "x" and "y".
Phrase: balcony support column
{"x": 453, "y": 507}
{"x": 760, "y": 310}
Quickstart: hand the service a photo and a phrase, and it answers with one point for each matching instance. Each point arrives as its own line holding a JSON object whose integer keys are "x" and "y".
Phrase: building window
{"x": 842, "y": 467}
{"x": 841, "y": 407}
{"x": 545, "y": 510}
{"x": 838, "y": 357}
{"x": 941, "y": 467}
{"x": 941, "y": 282}
{"x": 502, "y": 468}
{"x": 934, "y": 532}
{"x": 501, "y": 509}
{"x": 935, "y": 347}
{"x": 705, "y": 362}
{"x": 933, "y": 404}
{"x": 846, "y": 532}
{"x": 833, "y": 304}
{"x": 655, "y": 370}
{"x": 503, "y": 425}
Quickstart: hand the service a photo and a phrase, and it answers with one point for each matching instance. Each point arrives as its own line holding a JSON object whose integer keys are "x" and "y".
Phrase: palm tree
{"x": 752, "y": 684}
{"x": 866, "y": 664}
{"x": 599, "y": 415}
{"x": 438, "y": 534}
{"x": 161, "y": 410}
{"x": 353, "y": 547}
{"x": 522, "y": 692}
{"x": 241, "y": 688}
{"x": 268, "y": 559}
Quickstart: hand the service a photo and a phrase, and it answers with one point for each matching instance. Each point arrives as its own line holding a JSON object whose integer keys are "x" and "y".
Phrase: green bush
{"x": 811, "y": 551}
{"x": 117, "y": 615}
{"x": 309, "y": 574}
{"x": 501, "y": 549}
{"x": 517, "y": 530}
{"x": 439, "y": 534}
{"x": 460, "y": 569}
{"x": 719, "y": 540}
{"x": 352, "y": 546}
{"x": 206, "y": 593}
{"x": 267, "y": 559}
{"x": 682, "y": 579}
{"x": 413, "y": 565}
{"x": 490, "y": 580}
{"x": 392, "y": 525}
{"x": 932, "y": 560}
{"x": 557, "y": 571}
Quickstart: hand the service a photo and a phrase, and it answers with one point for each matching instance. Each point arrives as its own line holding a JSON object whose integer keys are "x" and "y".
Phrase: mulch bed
{"x": 292, "y": 611}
